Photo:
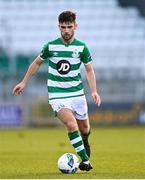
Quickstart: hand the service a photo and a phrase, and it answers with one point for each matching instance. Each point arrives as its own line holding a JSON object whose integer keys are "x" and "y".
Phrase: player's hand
{"x": 96, "y": 98}
{"x": 18, "y": 89}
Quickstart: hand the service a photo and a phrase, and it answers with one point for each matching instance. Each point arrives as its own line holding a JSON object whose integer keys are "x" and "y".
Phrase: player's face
{"x": 67, "y": 30}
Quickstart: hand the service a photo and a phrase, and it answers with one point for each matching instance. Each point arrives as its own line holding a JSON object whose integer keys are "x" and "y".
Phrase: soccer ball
{"x": 68, "y": 163}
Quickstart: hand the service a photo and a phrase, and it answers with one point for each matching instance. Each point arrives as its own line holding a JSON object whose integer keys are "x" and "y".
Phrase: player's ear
{"x": 76, "y": 25}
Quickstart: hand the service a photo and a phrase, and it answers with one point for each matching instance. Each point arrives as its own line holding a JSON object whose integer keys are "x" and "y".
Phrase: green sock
{"x": 77, "y": 143}
{"x": 86, "y": 143}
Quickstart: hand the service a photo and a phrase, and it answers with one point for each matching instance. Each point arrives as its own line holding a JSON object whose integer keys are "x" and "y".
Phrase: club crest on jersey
{"x": 55, "y": 53}
{"x": 75, "y": 54}
{"x": 63, "y": 67}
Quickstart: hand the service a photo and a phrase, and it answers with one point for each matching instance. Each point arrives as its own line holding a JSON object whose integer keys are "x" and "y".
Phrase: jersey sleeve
{"x": 44, "y": 52}
{"x": 86, "y": 56}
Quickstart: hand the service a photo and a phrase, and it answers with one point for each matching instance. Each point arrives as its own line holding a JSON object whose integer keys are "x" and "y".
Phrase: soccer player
{"x": 65, "y": 89}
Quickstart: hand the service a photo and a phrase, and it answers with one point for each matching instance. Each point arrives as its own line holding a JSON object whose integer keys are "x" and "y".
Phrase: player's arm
{"x": 33, "y": 68}
{"x": 92, "y": 83}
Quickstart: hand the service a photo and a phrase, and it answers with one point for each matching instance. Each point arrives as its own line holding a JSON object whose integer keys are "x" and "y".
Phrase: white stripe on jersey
{"x": 60, "y": 95}
{"x": 71, "y": 60}
{"x": 62, "y": 84}
{"x": 58, "y": 47}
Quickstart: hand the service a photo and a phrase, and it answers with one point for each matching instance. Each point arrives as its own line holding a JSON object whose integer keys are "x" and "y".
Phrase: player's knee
{"x": 85, "y": 129}
{"x": 71, "y": 126}
{"x": 86, "y": 126}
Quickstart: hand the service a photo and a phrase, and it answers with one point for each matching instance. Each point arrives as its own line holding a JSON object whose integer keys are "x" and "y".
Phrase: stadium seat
{"x": 4, "y": 64}
{"x": 22, "y": 62}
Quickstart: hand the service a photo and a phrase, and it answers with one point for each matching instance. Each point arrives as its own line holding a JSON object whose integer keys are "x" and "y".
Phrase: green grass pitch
{"x": 117, "y": 152}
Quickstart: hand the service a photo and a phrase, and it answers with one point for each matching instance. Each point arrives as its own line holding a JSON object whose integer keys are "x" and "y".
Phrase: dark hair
{"x": 67, "y": 16}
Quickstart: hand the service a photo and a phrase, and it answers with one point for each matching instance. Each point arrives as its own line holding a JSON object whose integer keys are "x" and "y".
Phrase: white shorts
{"x": 78, "y": 105}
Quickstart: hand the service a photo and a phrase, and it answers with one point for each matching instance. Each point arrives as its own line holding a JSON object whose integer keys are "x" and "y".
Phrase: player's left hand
{"x": 96, "y": 98}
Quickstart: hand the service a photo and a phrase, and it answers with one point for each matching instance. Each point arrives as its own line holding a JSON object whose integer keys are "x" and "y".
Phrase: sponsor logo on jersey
{"x": 63, "y": 67}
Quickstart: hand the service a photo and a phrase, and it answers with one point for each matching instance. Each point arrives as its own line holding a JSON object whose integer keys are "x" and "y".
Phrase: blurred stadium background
{"x": 115, "y": 33}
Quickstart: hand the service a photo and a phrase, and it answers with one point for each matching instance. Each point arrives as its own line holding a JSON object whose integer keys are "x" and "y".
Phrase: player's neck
{"x": 67, "y": 42}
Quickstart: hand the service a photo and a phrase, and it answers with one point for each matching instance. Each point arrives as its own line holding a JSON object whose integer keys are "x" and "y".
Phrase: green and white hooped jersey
{"x": 64, "y": 79}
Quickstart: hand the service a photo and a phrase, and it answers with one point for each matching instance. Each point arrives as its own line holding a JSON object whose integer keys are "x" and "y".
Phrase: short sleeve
{"x": 86, "y": 56}
{"x": 44, "y": 53}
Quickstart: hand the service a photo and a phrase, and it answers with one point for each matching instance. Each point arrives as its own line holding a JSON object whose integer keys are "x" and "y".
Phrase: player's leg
{"x": 67, "y": 118}
{"x": 80, "y": 111}
{"x": 84, "y": 127}
{"x": 81, "y": 114}
{"x": 64, "y": 112}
